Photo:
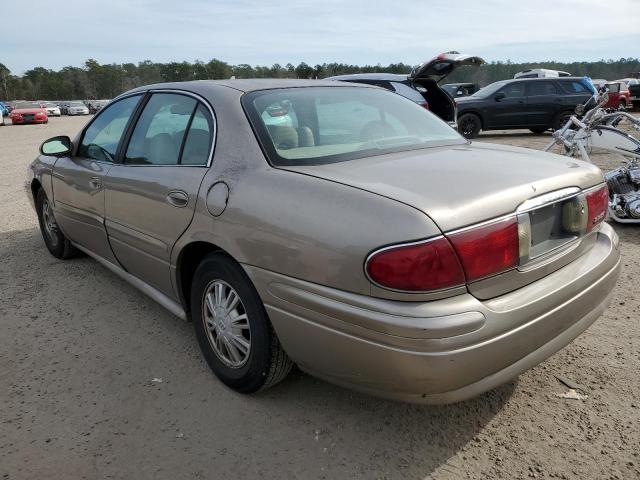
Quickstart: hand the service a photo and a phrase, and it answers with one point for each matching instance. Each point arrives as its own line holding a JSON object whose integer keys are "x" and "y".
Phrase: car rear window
{"x": 319, "y": 125}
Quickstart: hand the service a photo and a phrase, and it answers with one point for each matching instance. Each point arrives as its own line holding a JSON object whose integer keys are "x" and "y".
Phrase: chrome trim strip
{"x": 482, "y": 224}
{"x": 145, "y": 288}
{"x": 547, "y": 199}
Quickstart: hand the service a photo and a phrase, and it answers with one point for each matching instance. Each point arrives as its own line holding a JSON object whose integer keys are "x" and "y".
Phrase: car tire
{"x": 239, "y": 344}
{"x": 469, "y": 125}
{"x": 538, "y": 130}
{"x": 560, "y": 119}
{"x": 58, "y": 245}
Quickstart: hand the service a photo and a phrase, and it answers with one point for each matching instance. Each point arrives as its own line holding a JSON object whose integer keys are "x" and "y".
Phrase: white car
{"x": 77, "y": 108}
{"x": 1, "y": 118}
{"x": 52, "y": 109}
{"x": 541, "y": 73}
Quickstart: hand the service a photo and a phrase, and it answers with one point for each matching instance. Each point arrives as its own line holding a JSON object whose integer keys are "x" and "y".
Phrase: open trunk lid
{"x": 442, "y": 65}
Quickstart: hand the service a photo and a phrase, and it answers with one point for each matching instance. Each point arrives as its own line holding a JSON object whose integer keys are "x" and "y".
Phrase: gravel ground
{"x": 81, "y": 353}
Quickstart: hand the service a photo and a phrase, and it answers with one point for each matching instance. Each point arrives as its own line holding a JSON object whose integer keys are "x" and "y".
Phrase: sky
{"x": 263, "y": 32}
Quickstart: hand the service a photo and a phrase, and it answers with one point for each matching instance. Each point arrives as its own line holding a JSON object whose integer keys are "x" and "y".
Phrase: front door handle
{"x": 95, "y": 183}
{"x": 178, "y": 198}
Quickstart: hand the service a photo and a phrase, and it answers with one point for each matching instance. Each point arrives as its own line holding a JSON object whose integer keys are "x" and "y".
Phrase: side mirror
{"x": 56, "y": 146}
{"x": 499, "y": 96}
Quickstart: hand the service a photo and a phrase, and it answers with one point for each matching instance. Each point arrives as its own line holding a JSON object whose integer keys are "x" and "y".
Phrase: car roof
{"x": 389, "y": 77}
{"x": 242, "y": 85}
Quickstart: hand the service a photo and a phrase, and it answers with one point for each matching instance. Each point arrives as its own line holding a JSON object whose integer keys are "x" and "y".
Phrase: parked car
{"x": 96, "y": 105}
{"x": 417, "y": 267}
{"x": 28, "y": 112}
{"x": 4, "y": 109}
{"x": 1, "y": 118}
{"x": 541, "y": 73}
{"x": 52, "y": 109}
{"x": 77, "y": 108}
{"x": 421, "y": 85}
{"x": 536, "y": 104}
{"x": 460, "y": 89}
{"x": 619, "y": 96}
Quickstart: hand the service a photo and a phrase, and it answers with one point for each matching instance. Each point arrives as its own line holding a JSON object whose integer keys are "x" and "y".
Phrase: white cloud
{"x": 353, "y": 31}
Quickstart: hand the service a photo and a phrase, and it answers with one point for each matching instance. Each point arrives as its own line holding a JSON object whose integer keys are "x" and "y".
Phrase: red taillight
{"x": 424, "y": 105}
{"x": 597, "y": 206}
{"x": 429, "y": 265}
{"x": 488, "y": 249}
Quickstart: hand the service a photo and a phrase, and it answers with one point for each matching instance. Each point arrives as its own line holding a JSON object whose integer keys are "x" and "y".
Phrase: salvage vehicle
{"x": 76, "y": 108}
{"x": 619, "y": 97}
{"x": 533, "y": 103}
{"x": 362, "y": 238}
{"x": 28, "y": 112}
{"x": 4, "y": 109}
{"x": 52, "y": 109}
{"x": 421, "y": 85}
{"x": 541, "y": 73}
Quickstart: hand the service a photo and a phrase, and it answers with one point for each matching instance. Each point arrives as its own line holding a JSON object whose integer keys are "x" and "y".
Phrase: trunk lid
{"x": 458, "y": 186}
{"x": 439, "y": 67}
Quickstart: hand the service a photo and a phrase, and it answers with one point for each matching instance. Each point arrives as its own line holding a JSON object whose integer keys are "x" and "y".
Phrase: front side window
{"x": 101, "y": 139}
{"x": 334, "y": 124}
{"x": 514, "y": 90}
{"x": 160, "y": 130}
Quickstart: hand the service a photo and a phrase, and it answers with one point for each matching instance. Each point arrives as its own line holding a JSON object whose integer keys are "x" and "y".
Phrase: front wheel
{"x": 469, "y": 125}
{"x": 54, "y": 239}
{"x": 233, "y": 329}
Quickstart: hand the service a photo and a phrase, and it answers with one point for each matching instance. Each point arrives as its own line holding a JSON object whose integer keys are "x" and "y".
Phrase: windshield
{"x": 613, "y": 87}
{"x": 76, "y": 104}
{"x": 50, "y": 105}
{"x": 319, "y": 125}
{"x": 20, "y": 105}
{"x": 490, "y": 89}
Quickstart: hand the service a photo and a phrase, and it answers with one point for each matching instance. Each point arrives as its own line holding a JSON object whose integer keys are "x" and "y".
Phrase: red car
{"x": 619, "y": 96}
{"x": 28, "y": 112}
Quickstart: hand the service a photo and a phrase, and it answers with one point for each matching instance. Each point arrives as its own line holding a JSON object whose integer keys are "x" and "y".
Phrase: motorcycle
{"x": 598, "y": 128}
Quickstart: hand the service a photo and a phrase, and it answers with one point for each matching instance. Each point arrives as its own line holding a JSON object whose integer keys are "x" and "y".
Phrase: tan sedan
{"x": 340, "y": 227}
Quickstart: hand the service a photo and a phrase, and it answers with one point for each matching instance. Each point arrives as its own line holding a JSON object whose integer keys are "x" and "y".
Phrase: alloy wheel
{"x": 49, "y": 221}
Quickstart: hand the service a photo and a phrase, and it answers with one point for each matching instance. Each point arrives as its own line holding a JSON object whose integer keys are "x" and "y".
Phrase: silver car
{"x": 342, "y": 228}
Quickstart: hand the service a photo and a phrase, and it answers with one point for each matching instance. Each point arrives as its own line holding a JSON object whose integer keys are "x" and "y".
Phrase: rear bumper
{"x": 441, "y": 351}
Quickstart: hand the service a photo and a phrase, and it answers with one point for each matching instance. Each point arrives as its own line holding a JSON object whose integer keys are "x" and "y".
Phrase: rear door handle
{"x": 95, "y": 183}
{"x": 178, "y": 198}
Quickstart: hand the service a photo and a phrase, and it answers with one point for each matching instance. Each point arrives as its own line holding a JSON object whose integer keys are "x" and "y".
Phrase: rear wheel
{"x": 538, "y": 130}
{"x": 58, "y": 245}
{"x": 560, "y": 119}
{"x": 469, "y": 125}
{"x": 233, "y": 329}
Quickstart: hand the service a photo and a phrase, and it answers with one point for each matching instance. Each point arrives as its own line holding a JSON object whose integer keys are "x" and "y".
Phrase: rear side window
{"x": 199, "y": 137}
{"x": 160, "y": 130}
{"x": 575, "y": 87}
{"x": 101, "y": 139}
{"x": 536, "y": 89}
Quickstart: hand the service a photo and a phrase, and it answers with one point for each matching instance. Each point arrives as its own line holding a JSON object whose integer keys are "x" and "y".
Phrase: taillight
{"x": 487, "y": 249}
{"x": 424, "y": 105}
{"x": 418, "y": 267}
{"x": 597, "y": 206}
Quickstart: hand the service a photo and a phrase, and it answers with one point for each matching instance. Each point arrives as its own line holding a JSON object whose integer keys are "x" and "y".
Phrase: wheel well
{"x": 35, "y": 186}
{"x": 188, "y": 261}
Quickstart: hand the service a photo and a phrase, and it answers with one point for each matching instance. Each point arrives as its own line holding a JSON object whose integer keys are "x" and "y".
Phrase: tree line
{"x": 103, "y": 81}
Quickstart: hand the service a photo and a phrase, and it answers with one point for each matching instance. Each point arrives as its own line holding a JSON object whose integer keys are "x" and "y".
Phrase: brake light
{"x": 424, "y": 105}
{"x": 487, "y": 249}
{"x": 419, "y": 267}
{"x": 597, "y": 206}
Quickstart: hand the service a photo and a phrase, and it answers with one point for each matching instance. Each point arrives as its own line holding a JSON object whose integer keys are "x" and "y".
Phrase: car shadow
{"x": 525, "y": 134}
{"x": 311, "y": 428}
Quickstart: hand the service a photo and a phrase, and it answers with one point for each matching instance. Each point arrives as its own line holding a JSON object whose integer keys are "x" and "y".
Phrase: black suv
{"x": 534, "y": 103}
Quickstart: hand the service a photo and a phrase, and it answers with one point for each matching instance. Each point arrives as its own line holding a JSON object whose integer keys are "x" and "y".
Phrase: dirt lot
{"x": 80, "y": 349}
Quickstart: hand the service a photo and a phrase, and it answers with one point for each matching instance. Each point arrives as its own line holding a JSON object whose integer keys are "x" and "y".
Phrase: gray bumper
{"x": 440, "y": 351}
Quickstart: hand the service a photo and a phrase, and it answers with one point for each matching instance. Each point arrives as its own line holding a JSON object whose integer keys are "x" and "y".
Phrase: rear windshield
{"x": 319, "y": 125}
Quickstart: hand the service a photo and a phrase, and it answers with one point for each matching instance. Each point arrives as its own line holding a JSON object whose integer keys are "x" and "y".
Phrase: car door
{"x": 78, "y": 180}
{"x": 151, "y": 192}
{"x": 508, "y": 109}
{"x": 543, "y": 101}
